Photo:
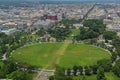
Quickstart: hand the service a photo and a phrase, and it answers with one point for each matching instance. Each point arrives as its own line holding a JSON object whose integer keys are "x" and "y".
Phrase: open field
{"x": 66, "y": 55}
{"x": 73, "y": 32}
{"x": 109, "y": 76}
{"x": 81, "y": 54}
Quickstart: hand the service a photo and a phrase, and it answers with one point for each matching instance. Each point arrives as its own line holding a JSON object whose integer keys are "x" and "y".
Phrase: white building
{"x": 77, "y": 26}
{"x": 43, "y": 24}
{"x": 7, "y": 30}
{"x": 113, "y": 27}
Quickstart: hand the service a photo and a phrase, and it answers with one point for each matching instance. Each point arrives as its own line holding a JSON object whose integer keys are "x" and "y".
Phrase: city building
{"x": 7, "y": 30}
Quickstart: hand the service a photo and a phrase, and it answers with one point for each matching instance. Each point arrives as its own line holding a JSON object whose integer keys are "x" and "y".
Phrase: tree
{"x": 83, "y": 78}
{"x": 41, "y": 32}
{"x": 116, "y": 44}
{"x": 93, "y": 41}
{"x": 68, "y": 72}
{"x": 51, "y": 78}
{"x": 114, "y": 57}
{"x": 94, "y": 69}
{"x": 95, "y": 25}
{"x": 75, "y": 68}
{"x": 87, "y": 70}
{"x": 116, "y": 68}
{"x": 70, "y": 22}
{"x": 3, "y": 71}
{"x": 100, "y": 74}
{"x": 109, "y": 35}
{"x": 88, "y": 34}
{"x": 79, "y": 37}
{"x": 11, "y": 66}
{"x": 60, "y": 33}
{"x": 105, "y": 64}
{"x": 91, "y": 34}
{"x": 18, "y": 75}
{"x": 93, "y": 30}
{"x": 3, "y": 35}
{"x": 80, "y": 68}
{"x": 68, "y": 78}
{"x": 2, "y": 74}
{"x": 82, "y": 30}
{"x": 0, "y": 52}
{"x": 59, "y": 73}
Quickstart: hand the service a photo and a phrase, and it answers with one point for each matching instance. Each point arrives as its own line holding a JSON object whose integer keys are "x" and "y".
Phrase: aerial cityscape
{"x": 59, "y": 40}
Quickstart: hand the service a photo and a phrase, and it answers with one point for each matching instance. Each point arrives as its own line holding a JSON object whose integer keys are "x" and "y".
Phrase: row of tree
{"x": 92, "y": 29}
{"x": 59, "y": 33}
{"x": 11, "y": 70}
{"x": 8, "y": 43}
{"x": 99, "y": 69}
{"x": 12, "y": 42}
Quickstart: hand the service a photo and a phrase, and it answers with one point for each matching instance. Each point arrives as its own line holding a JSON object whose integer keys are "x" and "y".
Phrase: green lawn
{"x": 81, "y": 54}
{"x": 36, "y": 55}
{"x": 64, "y": 54}
{"x": 74, "y": 32}
{"x": 109, "y": 76}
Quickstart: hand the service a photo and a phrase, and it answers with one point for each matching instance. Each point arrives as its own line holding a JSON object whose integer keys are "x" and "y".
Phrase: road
{"x": 86, "y": 15}
{"x": 44, "y": 75}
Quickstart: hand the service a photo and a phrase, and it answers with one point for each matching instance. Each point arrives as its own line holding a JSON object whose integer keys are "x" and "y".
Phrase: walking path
{"x": 43, "y": 74}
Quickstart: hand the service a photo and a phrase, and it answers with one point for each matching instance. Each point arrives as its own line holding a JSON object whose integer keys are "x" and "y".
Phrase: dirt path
{"x": 42, "y": 75}
{"x": 61, "y": 51}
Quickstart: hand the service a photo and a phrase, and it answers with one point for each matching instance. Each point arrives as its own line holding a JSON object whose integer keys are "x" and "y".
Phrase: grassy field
{"x": 82, "y": 54}
{"x": 109, "y": 76}
{"x": 63, "y": 54}
{"x": 74, "y": 32}
{"x": 36, "y": 55}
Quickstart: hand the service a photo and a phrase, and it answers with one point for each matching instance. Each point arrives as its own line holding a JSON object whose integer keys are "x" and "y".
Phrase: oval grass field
{"x": 66, "y": 55}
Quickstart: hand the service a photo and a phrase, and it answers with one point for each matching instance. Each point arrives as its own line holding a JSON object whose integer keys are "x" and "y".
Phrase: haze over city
{"x": 59, "y": 39}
